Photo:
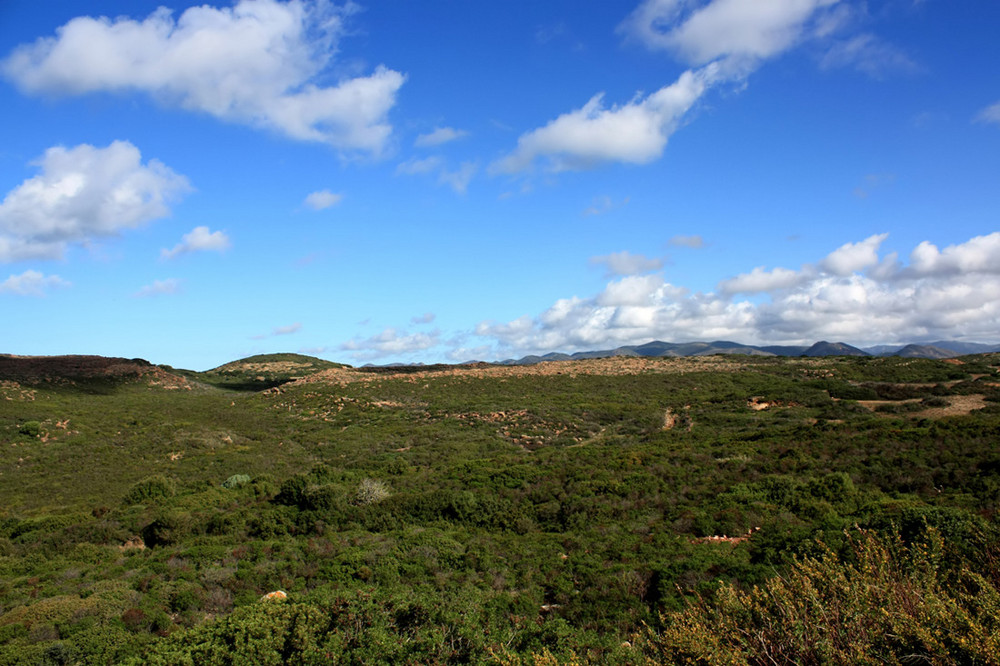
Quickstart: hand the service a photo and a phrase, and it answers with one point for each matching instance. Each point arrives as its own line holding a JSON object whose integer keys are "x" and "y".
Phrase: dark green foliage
{"x": 236, "y": 480}
{"x": 151, "y": 489}
{"x": 441, "y": 517}
{"x": 30, "y": 429}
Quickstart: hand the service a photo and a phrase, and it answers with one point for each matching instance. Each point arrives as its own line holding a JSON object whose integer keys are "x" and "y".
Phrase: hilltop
{"x": 93, "y": 372}
{"x": 262, "y": 371}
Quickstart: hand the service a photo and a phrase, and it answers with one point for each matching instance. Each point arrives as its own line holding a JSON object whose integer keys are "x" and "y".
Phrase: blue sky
{"x": 442, "y": 181}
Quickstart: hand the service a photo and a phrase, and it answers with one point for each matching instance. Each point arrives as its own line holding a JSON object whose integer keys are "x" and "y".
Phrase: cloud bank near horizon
{"x": 853, "y": 294}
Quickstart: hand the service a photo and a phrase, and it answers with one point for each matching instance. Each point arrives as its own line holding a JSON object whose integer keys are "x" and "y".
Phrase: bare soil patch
{"x": 959, "y": 405}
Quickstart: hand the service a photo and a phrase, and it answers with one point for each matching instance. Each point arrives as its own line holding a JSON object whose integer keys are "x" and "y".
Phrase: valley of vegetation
{"x": 711, "y": 510}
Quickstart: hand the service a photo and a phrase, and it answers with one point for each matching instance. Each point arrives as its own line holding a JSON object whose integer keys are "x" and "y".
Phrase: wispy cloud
{"x": 280, "y": 330}
{"x": 31, "y": 283}
{"x": 602, "y": 205}
{"x": 391, "y": 342}
{"x": 872, "y": 182}
{"x": 870, "y": 55}
{"x": 439, "y": 136}
{"x": 990, "y": 114}
{"x": 82, "y": 194}
{"x": 199, "y": 239}
{"x": 258, "y": 63}
{"x": 425, "y": 318}
{"x": 459, "y": 179}
{"x": 159, "y": 288}
{"x": 625, "y": 263}
{"x": 420, "y": 166}
{"x": 323, "y": 199}
{"x": 693, "y": 242}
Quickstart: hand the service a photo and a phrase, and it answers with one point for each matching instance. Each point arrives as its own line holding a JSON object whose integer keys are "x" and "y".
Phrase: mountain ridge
{"x": 936, "y": 350}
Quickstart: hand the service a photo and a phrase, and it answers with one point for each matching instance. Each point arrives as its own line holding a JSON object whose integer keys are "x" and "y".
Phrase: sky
{"x": 453, "y": 181}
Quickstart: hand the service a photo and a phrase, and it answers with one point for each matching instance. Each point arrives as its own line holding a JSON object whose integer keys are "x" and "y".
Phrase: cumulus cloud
{"x": 159, "y": 288}
{"x": 700, "y": 32}
{"x": 439, "y": 136}
{"x": 724, "y": 41}
{"x": 323, "y": 199}
{"x": 258, "y": 63}
{"x": 634, "y": 133}
{"x": 391, "y": 342}
{"x": 626, "y": 263}
{"x": 979, "y": 255}
{"x": 853, "y": 257}
{"x": 31, "y": 283}
{"x": 760, "y": 280}
{"x": 425, "y": 318}
{"x": 81, "y": 194}
{"x": 199, "y": 239}
{"x": 990, "y": 114}
{"x": 852, "y": 294}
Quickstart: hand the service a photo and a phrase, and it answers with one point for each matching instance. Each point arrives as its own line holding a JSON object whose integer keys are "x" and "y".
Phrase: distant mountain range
{"x": 934, "y": 350}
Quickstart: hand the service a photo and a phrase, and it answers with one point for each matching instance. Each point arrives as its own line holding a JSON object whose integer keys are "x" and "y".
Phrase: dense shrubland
{"x": 745, "y": 514}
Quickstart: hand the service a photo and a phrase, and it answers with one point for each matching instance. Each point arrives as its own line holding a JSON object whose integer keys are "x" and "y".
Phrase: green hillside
{"x": 728, "y": 509}
{"x": 263, "y": 371}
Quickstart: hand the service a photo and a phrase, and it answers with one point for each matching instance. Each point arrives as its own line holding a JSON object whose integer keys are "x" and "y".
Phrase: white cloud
{"x": 853, "y": 257}
{"x": 701, "y": 32}
{"x": 979, "y": 255}
{"x": 693, "y": 242}
{"x": 279, "y": 330}
{"x": 439, "y": 136}
{"x": 868, "y": 54}
{"x": 990, "y": 114}
{"x": 83, "y": 193}
{"x": 425, "y": 318}
{"x": 416, "y": 167}
{"x": 199, "y": 239}
{"x": 159, "y": 288}
{"x": 258, "y": 63}
{"x": 626, "y": 263}
{"x": 761, "y": 280}
{"x": 459, "y": 179}
{"x": 852, "y": 295}
{"x": 288, "y": 330}
{"x": 323, "y": 199}
{"x": 391, "y": 342}
{"x": 31, "y": 283}
{"x": 634, "y": 133}
{"x": 724, "y": 39}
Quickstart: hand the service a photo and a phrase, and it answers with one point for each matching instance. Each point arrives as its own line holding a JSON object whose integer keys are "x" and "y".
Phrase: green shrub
{"x": 30, "y": 428}
{"x": 883, "y": 603}
{"x": 150, "y": 489}
{"x": 235, "y": 481}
